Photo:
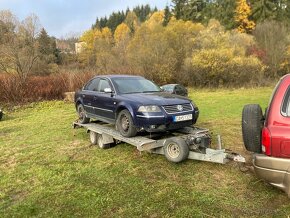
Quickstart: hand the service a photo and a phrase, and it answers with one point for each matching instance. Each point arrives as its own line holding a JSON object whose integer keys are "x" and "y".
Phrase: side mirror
{"x": 108, "y": 90}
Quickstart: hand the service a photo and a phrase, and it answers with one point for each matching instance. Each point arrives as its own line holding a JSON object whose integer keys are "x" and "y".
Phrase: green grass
{"x": 47, "y": 169}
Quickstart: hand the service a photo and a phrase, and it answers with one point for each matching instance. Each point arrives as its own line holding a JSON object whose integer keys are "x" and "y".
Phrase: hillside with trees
{"x": 209, "y": 43}
{"x": 201, "y": 43}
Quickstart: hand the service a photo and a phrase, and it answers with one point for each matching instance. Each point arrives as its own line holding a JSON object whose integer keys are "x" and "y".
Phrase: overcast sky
{"x": 62, "y": 18}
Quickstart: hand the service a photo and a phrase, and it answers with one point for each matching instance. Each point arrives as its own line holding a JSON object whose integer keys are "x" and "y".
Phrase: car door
{"x": 89, "y": 95}
{"x": 105, "y": 103}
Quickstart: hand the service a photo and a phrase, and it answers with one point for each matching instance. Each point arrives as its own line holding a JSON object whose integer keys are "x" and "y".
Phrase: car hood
{"x": 156, "y": 98}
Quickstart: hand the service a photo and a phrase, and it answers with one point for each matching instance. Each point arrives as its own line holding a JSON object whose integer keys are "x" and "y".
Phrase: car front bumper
{"x": 275, "y": 171}
{"x": 163, "y": 122}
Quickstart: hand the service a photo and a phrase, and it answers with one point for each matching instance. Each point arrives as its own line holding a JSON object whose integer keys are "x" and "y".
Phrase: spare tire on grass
{"x": 252, "y": 124}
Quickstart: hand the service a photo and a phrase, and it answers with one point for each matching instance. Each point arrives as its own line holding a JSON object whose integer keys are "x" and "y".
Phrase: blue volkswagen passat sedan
{"x": 133, "y": 104}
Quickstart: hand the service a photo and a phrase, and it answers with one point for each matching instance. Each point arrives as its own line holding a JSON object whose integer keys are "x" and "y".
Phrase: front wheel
{"x": 82, "y": 114}
{"x": 125, "y": 124}
{"x": 176, "y": 150}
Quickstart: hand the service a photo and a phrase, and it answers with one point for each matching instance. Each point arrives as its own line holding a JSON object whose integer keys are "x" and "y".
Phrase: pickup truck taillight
{"x": 266, "y": 141}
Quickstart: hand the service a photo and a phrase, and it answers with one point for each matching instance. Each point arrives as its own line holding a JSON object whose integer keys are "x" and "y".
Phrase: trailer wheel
{"x": 176, "y": 150}
{"x": 101, "y": 144}
{"x": 94, "y": 137}
{"x": 82, "y": 115}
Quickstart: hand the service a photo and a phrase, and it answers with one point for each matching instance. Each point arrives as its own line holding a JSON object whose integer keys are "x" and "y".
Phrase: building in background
{"x": 79, "y": 46}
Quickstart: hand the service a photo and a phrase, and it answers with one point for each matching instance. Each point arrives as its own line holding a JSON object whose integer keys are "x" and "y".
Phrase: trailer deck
{"x": 187, "y": 143}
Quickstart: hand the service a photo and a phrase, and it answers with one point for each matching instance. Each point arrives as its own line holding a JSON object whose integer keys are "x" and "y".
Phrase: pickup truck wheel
{"x": 252, "y": 124}
{"x": 82, "y": 114}
{"x": 125, "y": 124}
{"x": 176, "y": 150}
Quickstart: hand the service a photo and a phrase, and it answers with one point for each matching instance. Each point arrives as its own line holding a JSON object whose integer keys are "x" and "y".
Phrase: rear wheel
{"x": 97, "y": 139}
{"x": 252, "y": 124}
{"x": 101, "y": 143}
{"x": 94, "y": 138}
{"x": 176, "y": 150}
{"x": 125, "y": 124}
{"x": 82, "y": 114}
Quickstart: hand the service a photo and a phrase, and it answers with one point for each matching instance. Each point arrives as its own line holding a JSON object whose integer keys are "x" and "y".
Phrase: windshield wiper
{"x": 131, "y": 92}
{"x": 150, "y": 91}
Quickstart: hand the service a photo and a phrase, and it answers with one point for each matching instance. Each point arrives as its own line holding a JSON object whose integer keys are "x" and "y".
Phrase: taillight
{"x": 266, "y": 141}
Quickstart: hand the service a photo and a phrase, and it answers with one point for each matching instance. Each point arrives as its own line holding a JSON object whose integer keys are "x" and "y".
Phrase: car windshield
{"x": 128, "y": 85}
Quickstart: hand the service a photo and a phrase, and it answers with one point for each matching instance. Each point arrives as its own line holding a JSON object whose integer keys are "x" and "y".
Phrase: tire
{"x": 93, "y": 138}
{"x": 101, "y": 143}
{"x": 1, "y": 115}
{"x": 252, "y": 124}
{"x": 125, "y": 124}
{"x": 176, "y": 150}
{"x": 82, "y": 114}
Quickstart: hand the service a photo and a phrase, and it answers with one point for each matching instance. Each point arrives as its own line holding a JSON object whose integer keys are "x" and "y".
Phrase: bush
{"x": 221, "y": 67}
{"x": 38, "y": 88}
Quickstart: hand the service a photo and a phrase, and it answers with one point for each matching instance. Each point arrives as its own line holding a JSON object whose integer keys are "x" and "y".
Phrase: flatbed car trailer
{"x": 187, "y": 143}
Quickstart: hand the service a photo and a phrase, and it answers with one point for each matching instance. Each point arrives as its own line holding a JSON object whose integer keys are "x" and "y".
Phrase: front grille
{"x": 173, "y": 109}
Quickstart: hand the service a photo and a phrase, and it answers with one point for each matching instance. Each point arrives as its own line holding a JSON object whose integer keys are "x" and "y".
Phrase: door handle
{"x": 95, "y": 98}
{"x": 84, "y": 96}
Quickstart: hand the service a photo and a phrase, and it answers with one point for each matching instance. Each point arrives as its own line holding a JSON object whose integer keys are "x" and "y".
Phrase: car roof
{"x": 286, "y": 77}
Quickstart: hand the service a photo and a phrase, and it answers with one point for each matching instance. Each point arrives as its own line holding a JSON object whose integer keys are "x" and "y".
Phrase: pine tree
{"x": 242, "y": 14}
{"x": 178, "y": 8}
{"x": 263, "y": 9}
{"x": 167, "y": 16}
{"x": 224, "y": 12}
{"x": 193, "y": 10}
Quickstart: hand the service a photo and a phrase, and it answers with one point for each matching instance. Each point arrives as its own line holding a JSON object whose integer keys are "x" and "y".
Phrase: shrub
{"x": 221, "y": 67}
{"x": 39, "y": 88}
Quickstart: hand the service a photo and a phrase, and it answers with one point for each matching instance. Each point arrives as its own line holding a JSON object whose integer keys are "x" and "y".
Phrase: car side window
{"x": 92, "y": 85}
{"x": 286, "y": 104}
{"x": 103, "y": 84}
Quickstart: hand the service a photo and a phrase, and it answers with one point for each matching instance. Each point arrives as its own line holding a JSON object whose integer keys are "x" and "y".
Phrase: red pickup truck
{"x": 268, "y": 136}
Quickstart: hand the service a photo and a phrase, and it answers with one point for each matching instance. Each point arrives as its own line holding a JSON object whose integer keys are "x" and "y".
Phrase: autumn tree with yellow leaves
{"x": 242, "y": 13}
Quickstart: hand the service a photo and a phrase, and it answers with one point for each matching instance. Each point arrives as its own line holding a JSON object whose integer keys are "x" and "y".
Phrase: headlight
{"x": 149, "y": 108}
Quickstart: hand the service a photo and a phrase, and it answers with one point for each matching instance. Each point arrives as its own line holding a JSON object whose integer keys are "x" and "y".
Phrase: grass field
{"x": 47, "y": 169}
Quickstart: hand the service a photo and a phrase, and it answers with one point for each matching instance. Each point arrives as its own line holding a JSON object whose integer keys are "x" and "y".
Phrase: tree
{"x": 103, "y": 45}
{"x": 142, "y": 12}
{"x": 18, "y": 54}
{"x": 194, "y": 10}
{"x": 47, "y": 52}
{"x": 178, "y": 8}
{"x": 243, "y": 12}
{"x": 262, "y": 10}
{"x": 87, "y": 56}
{"x": 131, "y": 21}
{"x": 122, "y": 33}
{"x": 275, "y": 45}
{"x": 114, "y": 20}
{"x": 223, "y": 11}
{"x": 167, "y": 16}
